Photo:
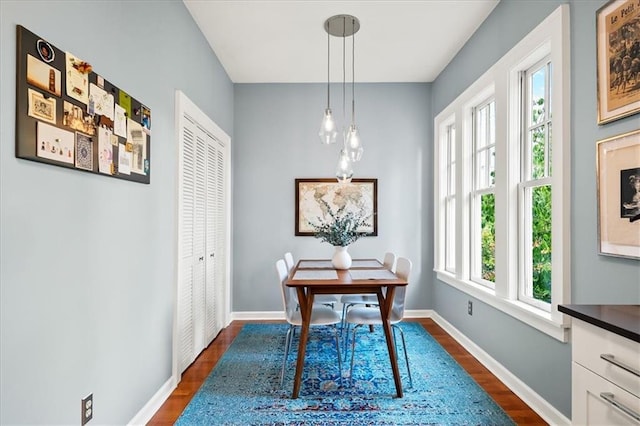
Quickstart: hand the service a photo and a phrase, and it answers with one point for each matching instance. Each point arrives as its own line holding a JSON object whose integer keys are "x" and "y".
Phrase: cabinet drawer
{"x": 591, "y": 342}
{"x": 589, "y": 406}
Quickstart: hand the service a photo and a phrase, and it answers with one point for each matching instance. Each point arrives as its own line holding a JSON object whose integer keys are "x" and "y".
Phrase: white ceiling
{"x": 263, "y": 41}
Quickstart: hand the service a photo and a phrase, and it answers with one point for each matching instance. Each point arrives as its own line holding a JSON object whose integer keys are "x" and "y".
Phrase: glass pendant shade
{"x": 344, "y": 172}
{"x": 353, "y": 144}
{"x": 328, "y": 132}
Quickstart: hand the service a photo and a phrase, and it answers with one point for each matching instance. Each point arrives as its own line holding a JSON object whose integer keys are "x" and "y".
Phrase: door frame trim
{"x": 184, "y": 106}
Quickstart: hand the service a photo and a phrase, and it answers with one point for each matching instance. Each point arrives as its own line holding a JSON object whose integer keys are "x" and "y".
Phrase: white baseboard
{"x": 538, "y": 404}
{"x": 257, "y": 316}
{"x": 154, "y": 404}
{"x": 419, "y": 313}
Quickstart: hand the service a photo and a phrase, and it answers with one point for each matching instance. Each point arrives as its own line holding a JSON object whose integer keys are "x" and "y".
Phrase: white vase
{"x": 341, "y": 258}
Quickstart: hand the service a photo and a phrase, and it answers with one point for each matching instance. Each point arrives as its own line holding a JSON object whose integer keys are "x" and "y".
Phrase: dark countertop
{"x": 623, "y": 320}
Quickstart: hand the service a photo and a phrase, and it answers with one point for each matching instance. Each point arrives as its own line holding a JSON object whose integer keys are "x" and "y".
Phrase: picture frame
{"x": 618, "y": 189}
{"x": 617, "y": 23}
{"x": 357, "y": 195}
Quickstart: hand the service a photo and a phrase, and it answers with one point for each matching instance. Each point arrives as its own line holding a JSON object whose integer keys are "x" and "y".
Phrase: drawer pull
{"x": 610, "y": 358}
{"x": 608, "y": 396}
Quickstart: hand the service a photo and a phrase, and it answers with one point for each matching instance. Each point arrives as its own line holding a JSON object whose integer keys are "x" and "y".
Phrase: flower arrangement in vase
{"x": 340, "y": 231}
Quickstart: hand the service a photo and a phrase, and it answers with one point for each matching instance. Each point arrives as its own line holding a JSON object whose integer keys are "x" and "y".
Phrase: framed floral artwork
{"x": 618, "y": 59}
{"x": 315, "y": 196}
{"x": 618, "y": 178}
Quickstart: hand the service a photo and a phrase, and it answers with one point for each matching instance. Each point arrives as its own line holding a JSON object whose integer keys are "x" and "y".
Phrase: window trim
{"x": 527, "y": 183}
{"x": 450, "y": 167}
{"x": 550, "y": 38}
{"x": 477, "y": 191}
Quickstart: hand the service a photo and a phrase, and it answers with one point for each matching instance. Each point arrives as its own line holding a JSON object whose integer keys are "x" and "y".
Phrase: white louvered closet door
{"x": 201, "y": 195}
{"x": 221, "y": 227}
{"x": 186, "y": 351}
{"x": 203, "y": 240}
{"x": 211, "y": 235}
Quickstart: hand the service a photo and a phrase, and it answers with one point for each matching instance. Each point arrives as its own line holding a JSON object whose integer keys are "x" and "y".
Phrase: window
{"x": 501, "y": 150}
{"x": 483, "y": 235}
{"x": 535, "y": 188}
{"x": 450, "y": 198}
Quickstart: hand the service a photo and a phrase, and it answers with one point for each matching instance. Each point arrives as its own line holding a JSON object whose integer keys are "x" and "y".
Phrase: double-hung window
{"x": 535, "y": 187}
{"x": 449, "y": 191}
{"x": 502, "y": 182}
{"x": 483, "y": 200}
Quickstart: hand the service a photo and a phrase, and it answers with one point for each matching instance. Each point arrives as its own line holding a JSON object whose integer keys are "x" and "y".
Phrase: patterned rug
{"x": 243, "y": 389}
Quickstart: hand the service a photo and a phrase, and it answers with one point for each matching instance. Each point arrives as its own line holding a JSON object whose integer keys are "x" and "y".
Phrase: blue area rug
{"x": 243, "y": 389}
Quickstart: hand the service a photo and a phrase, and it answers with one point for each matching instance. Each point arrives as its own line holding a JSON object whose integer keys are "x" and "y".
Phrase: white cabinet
{"x": 606, "y": 377}
{"x": 203, "y": 233}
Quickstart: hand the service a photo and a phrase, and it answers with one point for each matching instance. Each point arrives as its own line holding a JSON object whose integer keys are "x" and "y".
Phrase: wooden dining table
{"x": 366, "y": 276}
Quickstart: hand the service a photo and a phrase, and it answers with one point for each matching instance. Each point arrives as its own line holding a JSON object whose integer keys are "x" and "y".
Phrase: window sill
{"x": 536, "y": 318}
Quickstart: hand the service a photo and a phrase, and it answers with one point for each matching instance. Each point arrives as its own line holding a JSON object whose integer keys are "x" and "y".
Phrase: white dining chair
{"x": 320, "y": 315}
{"x": 362, "y": 315}
{"x": 322, "y": 299}
{"x": 350, "y": 300}
{"x": 288, "y": 259}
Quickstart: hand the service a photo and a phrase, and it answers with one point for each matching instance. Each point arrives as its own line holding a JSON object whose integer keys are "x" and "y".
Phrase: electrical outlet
{"x": 470, "y": 308}
{"x": 87, "y": 409}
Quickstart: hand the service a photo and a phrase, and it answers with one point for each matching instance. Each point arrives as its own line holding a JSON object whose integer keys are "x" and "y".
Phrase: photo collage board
{"x": 68, "y": 115}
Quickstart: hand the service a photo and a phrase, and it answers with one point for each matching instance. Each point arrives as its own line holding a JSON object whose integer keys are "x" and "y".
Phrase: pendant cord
{"x": 353, "y": 77}
{"x": 328, "y": 65}
{"x": 344, "y": 72}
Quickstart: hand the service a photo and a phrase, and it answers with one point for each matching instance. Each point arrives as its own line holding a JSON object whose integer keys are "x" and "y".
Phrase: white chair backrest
{"x": 403, "y": 270}
{"x": 287, "y": 292}
{"x": 288, "y": 259}
{"x": 389, "y": 261}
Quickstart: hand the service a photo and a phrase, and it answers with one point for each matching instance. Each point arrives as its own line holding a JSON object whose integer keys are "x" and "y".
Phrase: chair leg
{"x": 345, "y": 308}
{"x": 346, "y": 340}
{"x": 344, "y": 313}
{"x": 287, "y": 345}
{"x": 406, "y": 357}
{"x": 335, "y": 331}
{"x": 353, "y": 351}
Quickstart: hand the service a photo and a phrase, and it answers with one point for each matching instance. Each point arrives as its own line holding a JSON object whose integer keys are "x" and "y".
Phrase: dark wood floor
{"x": 195, "y": 375}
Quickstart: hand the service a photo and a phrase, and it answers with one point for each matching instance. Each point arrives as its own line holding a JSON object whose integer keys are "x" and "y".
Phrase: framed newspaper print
{"x": 618, "y": 59}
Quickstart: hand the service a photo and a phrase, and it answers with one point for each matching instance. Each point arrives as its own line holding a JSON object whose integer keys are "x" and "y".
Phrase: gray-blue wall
{"x": 86, "y": 305}
{"x": 543, "y": 363}
{"x": 87, "y": 262}
{"x": 276, "y": 142}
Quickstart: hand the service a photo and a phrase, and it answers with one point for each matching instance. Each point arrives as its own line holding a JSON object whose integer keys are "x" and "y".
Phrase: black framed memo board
{"x": 68, "y": 115}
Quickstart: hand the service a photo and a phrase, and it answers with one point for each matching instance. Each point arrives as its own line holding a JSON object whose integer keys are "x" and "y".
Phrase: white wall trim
{"x": 419, "y": 313}
{"x": 257, "y": 315}
{"x": 154, "y": 404}
{"x": 538, "y": 404}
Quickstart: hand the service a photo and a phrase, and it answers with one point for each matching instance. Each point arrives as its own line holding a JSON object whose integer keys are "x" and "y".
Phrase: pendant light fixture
{"x": 352, "y": 138}
{"x": 342, "y": 26}
{"x": 328, "y": 132}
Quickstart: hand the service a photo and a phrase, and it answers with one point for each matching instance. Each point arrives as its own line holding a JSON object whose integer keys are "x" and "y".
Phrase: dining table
{"x": 365, "y": 276}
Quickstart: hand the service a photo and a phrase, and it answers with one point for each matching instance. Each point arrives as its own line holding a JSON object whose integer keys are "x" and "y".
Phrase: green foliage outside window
{"x": 540, "y": 217}
{"x": 541, "y": 243}
{"x": 540, "y": 211}
{"x": 488, "y": 225}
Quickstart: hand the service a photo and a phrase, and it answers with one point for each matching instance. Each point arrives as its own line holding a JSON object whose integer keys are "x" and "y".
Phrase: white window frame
{"x": 528, "y": 183}
{"x": 477, "y": 192}
{"x": 449, "y": 145}
{"x": 550, "y": 38}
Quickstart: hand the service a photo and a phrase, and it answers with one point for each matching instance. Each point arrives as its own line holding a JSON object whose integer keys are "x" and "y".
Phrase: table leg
{"x": 385, "y": 304}
{"x": 305, "y": 298}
